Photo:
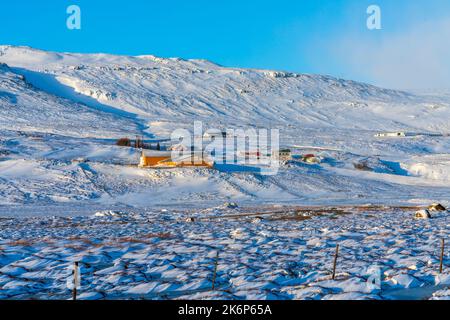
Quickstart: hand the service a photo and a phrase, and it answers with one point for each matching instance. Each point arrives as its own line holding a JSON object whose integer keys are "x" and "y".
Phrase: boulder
{"x": 422, "y": 214}
{"x": 231, "y": 205}
{"x": 437, "y": 207}
{"x": 257, "y": 220}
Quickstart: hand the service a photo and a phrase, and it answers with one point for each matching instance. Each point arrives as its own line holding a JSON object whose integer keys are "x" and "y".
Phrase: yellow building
{"x": 163, "y": 159}
{"x": 153, "y": 159}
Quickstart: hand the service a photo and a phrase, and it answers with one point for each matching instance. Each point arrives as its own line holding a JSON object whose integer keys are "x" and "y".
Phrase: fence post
{"x": 75, "y": 281}
{"x": 216, "y": 263}
{"x": 441, "y": 266}
{"x": 335, "y": 261}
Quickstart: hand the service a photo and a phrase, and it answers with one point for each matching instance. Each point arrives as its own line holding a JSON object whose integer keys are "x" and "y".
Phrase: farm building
{"x": 164, "y": 159}
{"x": 152, "y": 159}
{"x": 390, "y": 134}
{"x": 284, "y": 155}
{"x": 311, "y": 158}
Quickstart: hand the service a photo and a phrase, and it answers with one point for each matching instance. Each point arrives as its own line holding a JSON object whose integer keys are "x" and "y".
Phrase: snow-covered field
{"x": 60, "y": 115}
{"x": 264, "y": 253}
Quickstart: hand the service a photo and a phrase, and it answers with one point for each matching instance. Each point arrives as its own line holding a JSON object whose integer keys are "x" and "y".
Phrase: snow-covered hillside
{"x": 174, "y": 90}
{"x": 26, "y": 108}
{"x": 58, "y": 107}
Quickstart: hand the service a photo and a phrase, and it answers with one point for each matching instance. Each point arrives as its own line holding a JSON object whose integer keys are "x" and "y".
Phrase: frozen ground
{"x": 264, "y": 253}
{"x": 53, "y": 170}
{"x": 60, "y": 114}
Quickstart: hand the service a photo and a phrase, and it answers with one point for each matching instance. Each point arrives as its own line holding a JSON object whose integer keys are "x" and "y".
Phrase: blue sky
{"x": 311, "y": 36}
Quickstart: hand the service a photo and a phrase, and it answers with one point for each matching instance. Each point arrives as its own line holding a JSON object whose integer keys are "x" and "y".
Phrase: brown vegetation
{"x": 123, "y": 142}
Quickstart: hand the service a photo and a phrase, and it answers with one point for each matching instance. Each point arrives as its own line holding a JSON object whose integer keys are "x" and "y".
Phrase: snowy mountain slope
{"x": 26, "y": 108}
{"x": 167, "y": 92}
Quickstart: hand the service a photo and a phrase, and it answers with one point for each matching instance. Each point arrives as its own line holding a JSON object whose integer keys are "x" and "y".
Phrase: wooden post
{"x": 441, "y": 266}
{"x": 215, "y": 271}
{"x": 75, "y": 281}
{"x": 335, "y": 261}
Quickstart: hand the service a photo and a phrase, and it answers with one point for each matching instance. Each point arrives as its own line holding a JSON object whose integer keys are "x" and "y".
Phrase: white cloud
{"x": 416, "y": 58}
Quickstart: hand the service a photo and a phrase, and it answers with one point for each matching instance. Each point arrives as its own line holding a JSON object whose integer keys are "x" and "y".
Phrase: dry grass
{"x": 75, "y": 247}
{"x": 290, "y": 218}
{"x": 132, "y": 240}
{"x": 22, "y": 243}
{"x": 83, "y": 241}
{"x": 162, "y": 235}
{"x": 287, "y": 213}
{"x": 383, "y": 208}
